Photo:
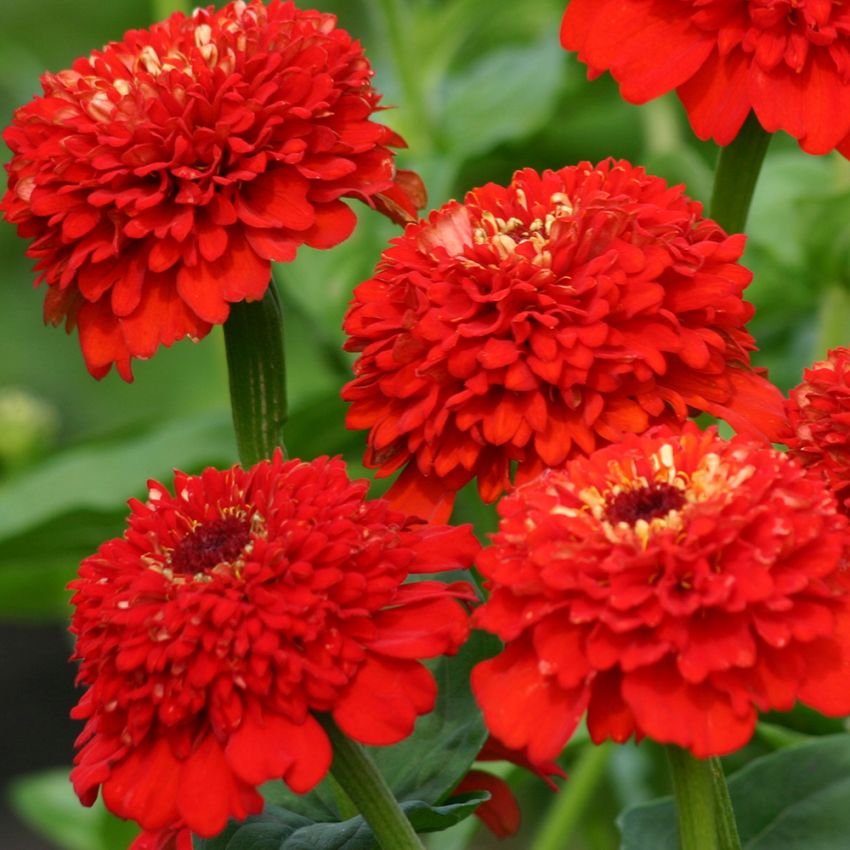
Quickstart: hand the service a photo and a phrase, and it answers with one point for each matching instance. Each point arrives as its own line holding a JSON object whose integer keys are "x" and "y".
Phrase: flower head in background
{"x": 787, "y": 60}
{"x": 158, "y": 178}
{"x": 819, "y": 414}
{"x": 541, "y": 320}
{"x": 671, "y": 586}
{"x": 228, "y": 614}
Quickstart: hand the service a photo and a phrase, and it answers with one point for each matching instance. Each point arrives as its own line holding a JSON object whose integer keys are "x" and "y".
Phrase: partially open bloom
{"x": 501, "y": 813}
{"x": 231, "y": 612}
{"x": 671, "y": 586}
{"x": 787, "y": 60}
{"x": 544, "y": 319}
{"x": 158, "y": 177}
{"x": 819, "y": 414}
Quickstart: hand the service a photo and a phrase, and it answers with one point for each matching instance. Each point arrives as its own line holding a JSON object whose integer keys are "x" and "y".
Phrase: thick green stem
{"x": 706, "y": 817}
{"x": 357, "y": 775}
{"x": 738, "y": 168}
{"x": 253, "y": 337}
{"x": 573, "y": 799}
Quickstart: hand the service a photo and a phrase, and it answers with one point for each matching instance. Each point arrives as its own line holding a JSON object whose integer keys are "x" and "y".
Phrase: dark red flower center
{"x": 646, "y": 503}
{"x": 211, "y": 544}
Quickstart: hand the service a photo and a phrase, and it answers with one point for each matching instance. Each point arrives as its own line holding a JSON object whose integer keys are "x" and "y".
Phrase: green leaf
{"x": 46, "y": 802}
{"x": 56, "y": 514}
{"x": 428, "y": 764}
{"x": 101, "y": 476}
{"x": 279, "y": 829}
{"x": 479, "y": 110}
{"x": 794, "y": 798}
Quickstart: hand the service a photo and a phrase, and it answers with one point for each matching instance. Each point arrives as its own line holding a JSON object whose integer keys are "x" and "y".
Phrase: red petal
{"x": 562, "y": 651}
{"x": 143, "y": 786}
{"x": 700, "y": 718}
{"x": 334, "y": 223}
{"x": 102, "y": 341}
{"x": 209, "y": 792}
{"x": 756, "y": 407}
{"x": 717, "y": 97}
{"x": 423, "y": 496}
{"x": 826, "y": 684}
{"x": 813, "y": 106}
{"x": 649, "y": 50}
{"x": 608, "y": 716}
{"x": 162, "y": 318}
{"x": 402, "y": 202}
{"x": 524, "y": 708}
{"x": 276, "y": 199}
{"x": 431, "y": 628}
{"x": 500, "y": 813}
{"x": 268, "y": 746}
{"x": 382, "y": 703}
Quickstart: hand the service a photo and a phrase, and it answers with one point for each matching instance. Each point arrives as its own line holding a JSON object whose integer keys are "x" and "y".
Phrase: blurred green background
{"x": 479, "y": 89}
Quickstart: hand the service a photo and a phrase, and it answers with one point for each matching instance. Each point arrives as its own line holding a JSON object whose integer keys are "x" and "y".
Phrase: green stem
{"x": 356, "y": 773}
{"x": 738, "y": 168}
{"x": 706, "y": 817}
{"x": 253, "y": 338}
{"x": 573, "y": 799}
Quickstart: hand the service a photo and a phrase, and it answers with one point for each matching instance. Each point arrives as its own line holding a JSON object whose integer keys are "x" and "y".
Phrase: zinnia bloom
{"x": 819, "y": 413}
{"x": 787, "y": 60}
{"x": 670, "y": 586}
{"x": 231, "y": 612}
{"x": 501, "y": 813}
{"x": 544, "y": 319}
{"x": 158, "y": 178}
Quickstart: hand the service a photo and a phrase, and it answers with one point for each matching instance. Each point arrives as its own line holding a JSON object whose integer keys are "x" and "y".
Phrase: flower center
{"x": 210, "y": 544}
{"x": 646, "y": 503}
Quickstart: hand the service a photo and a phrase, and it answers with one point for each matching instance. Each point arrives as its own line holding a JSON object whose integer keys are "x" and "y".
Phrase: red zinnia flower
{"x": 228, "y": 614}
{"x": 819, "y": 413}
{"x": 501, "y": 813}
{"x": 159, "y": 177}
{"x": 543, "y": 319}
{"x": 671, "y": 585}
{"x": 788, "y": 60}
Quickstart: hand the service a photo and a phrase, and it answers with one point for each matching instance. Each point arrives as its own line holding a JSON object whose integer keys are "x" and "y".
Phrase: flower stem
{"x": 253, "y": 338}
{"x": 738, "y": 168}
{"x": 706, "y": 817}
{"x": 573, "y": 799}
{"x": 356, "y": 773}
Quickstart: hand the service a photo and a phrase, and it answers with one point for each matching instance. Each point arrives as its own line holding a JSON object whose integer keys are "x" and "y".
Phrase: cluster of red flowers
{"x": 670, "y": 586}
{"x": 543, "y": 319}
{"x": 555, "y": 334}
{"x": 159, "y": 177}
{"x": 819, "y": 414}
{"x": 229, "y": 614}
{"x": 786, "y": 60}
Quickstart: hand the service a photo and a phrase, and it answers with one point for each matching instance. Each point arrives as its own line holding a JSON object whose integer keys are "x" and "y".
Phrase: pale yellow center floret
{"x": 506, "y": 234}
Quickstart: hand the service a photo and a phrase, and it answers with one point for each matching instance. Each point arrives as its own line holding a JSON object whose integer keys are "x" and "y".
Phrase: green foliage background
{"x": 479, "y": 89}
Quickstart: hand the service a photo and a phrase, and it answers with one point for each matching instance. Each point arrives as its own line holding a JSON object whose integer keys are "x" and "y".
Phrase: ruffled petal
{"x": 382, "y": 703}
